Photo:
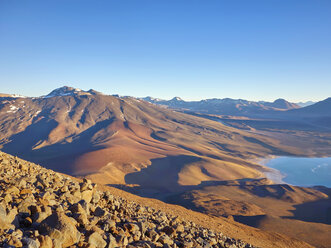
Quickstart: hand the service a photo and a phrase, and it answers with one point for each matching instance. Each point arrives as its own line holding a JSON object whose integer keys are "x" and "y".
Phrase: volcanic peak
{"x": 70, "y": 91}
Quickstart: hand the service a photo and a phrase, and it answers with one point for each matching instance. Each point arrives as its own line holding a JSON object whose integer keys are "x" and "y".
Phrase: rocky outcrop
{"x": 41, "y": 208}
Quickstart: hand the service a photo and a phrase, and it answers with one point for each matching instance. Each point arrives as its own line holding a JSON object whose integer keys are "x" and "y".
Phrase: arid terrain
{"x": 42, "y": 208}
{"x": 202, "y": 161}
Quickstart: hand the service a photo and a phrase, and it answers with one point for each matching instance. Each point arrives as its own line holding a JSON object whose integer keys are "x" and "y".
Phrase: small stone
{"x": 8, "y": 198}
{"x": 30, "y": 243}
{"x": 25, "y": 191}
{"x": 77, "y": 208}
{"x": 108, "y": 224}
{"x": 153, "y": 235}
{"x": 170, "y": 231}
{"x": 180, "y": 228}
{"x": 86, "y": 185}
{"x": 87, "y": 195}
{"x": 112, "y": 241}
{"x": 96, "y": 197}
{"x": 96, "y": 240}
{"x": 122, "y": 240}
{"x": 130, "y": 227}
{"x": 165, "y": 239}
{"x": 45, "y": 241}
{"x": 13, "y": 190}
{"x": 99, "y": 212}
{"x": 14, "y": 242}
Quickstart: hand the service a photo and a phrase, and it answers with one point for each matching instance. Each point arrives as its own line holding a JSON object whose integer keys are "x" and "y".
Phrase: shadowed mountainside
{"x": 196, "y": 162}
{"x": 42, "y": 208}
{"x": 298, "y": 212}
{"x": 81, "y": 132}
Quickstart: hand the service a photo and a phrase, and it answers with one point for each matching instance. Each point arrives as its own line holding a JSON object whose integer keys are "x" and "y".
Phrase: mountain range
{"x": 83, "y": 132}
{"x": 226, "y": 106}
{"x": 156, "y": 149}
{"x": 313, "y": 113}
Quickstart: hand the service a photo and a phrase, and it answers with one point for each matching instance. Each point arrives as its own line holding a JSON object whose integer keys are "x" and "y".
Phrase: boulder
{"x": 61, "y": 227}
{"x": 86, "y": 195}
{"x": 45, "y": 241}
{"x": 96, "y": 240}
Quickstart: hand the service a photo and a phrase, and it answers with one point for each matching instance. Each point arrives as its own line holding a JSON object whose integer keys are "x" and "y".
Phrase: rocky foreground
{"x": 42, "y": 208}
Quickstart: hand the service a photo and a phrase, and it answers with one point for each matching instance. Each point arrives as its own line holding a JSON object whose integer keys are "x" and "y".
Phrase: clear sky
{"x": 256, "y": 50}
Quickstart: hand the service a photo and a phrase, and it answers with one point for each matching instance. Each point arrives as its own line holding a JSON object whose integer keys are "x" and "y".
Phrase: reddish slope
{"x": 81, "y": 132}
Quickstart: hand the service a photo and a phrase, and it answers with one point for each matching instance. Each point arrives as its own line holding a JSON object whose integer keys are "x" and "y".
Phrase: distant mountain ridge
{"x": 322, "y": 108}
{"x": 226, "y": 106}
{"x": 86, "y": 132}
{"x": 305, "y": 104}
{"x": 11, "y": 95}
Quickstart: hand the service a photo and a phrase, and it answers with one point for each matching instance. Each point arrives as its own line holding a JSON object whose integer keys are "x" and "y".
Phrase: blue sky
{"x": 256, "y": 50}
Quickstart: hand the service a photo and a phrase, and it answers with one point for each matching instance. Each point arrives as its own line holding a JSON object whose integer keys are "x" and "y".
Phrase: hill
{"x": 83, "y": 132}
{"x": 271, "y": 207}
{"x": 320, "y": 109}
{"x": 157, "y": 152}
{"x": 41, "y": 208}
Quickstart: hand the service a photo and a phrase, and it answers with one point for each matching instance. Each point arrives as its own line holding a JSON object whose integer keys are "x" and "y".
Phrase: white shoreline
{"x": 272, "y": 174}
{"x": 278, "y": 177}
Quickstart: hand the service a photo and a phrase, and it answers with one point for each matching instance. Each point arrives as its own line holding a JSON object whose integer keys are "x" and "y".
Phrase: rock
{"x": 77, "y": 208}
{"x": 13, "y": 190}
{"x": 143, "y": 227}
{"x": 14, "y": 242}
{"x": 96, "y": 197}
{"x": 112, "y": 241}
{"x": 39, "y": 217}
{"x": 45, "y": 241}
{"x": 85, "y": 206}
{"x": 87, "y": 195}
{"x": 3, "y": 214}
{"x": 170, "y": 231}
{"x": 130, "y": 227}
{"x": 180, "y": 228}
{"x": 86, "y": 185}
{"x": 43, "y": 181}
{"x": 25, "y": 205}
{"x": 8, "y": 198}
{"x": 140, "y": 209}
{"x": 30, "y": 243}
{"x": 96, "y": 240}
{"x": 165, "y": 239}
{"x": 99, "y": 212}
{"x": 25, "y": 191}
{"x": 188, "y": 244}
{"x": 61, "y": 227}
{"x": 153, "y": 235}
{"x": 122, "y": 240}
{"x": 82, "y": 219}
{"x": 108, "y": 224}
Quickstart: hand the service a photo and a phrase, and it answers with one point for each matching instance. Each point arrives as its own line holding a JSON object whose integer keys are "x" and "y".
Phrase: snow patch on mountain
{"x": 12, "y": 109}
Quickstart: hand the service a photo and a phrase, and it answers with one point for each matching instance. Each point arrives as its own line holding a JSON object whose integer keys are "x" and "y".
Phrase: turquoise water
{"x": 303, "y": 171}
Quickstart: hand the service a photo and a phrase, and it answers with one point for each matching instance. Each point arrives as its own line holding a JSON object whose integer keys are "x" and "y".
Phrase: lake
{"x": 301, "y": 171}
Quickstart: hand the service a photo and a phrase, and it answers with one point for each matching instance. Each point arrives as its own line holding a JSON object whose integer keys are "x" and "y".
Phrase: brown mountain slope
{"x": 39, "y": 206}
{"x": 82, "y": 132}
{"x": 321, "y": 108}
{"x": 295, "y": 211}
{"x": 156, "y": 151}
